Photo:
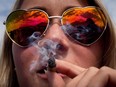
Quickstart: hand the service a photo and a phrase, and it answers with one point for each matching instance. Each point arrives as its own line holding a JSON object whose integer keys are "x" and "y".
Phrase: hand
{"x": 81, "y": 77}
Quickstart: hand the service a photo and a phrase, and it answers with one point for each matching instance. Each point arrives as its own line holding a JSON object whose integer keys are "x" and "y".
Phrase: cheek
{"x": 23, "y": 57}
{"x": 87, "y": 56}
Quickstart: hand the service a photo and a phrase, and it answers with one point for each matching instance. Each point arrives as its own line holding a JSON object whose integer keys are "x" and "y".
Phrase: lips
{"x": 42, "y": 73}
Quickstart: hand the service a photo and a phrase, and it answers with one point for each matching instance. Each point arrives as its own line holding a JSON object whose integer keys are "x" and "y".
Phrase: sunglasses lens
{"x": 24, "y": 27}
{"x": 85, "y": 25}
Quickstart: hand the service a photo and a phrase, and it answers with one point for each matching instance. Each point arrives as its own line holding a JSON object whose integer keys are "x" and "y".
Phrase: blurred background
{"x": 6, "y": 6}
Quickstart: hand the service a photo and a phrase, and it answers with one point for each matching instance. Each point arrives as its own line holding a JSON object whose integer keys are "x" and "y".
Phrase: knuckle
{"x": 92, "y": 69}
{"x": 104, "y": 69}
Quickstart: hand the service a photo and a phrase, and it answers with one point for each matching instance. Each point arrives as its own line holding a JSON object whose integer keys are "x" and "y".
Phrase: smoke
{"x": 34, "y": 37}
{"x": 46, "y": 49}
{"x": 68, "y": 28}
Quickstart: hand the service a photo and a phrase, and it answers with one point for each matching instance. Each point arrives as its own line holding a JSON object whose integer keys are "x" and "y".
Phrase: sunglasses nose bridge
{"x": 54, "y": 31}
{"x": 54, "y": 25}
{"x": 55, "y": 19}
{"x": 58, "y": 17}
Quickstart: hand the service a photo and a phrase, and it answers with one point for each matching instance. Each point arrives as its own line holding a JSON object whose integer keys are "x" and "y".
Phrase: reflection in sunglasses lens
{"x": 22, "y": 24}
{"x": 85, "y": 25}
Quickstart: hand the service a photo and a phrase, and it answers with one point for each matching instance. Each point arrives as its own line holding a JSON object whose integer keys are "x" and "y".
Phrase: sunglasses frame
{"x": 60, "y": 17}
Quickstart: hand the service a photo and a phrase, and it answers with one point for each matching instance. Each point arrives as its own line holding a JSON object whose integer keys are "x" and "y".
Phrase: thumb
{"x": 55, "y": 80}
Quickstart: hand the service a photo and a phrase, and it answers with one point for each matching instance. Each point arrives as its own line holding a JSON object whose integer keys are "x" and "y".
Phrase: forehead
{"x": 52, "y": 6}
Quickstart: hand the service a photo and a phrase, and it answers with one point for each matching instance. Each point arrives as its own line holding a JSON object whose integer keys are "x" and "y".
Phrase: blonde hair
{"x": 7, "y": 73}
{"x": 110, "y": 40}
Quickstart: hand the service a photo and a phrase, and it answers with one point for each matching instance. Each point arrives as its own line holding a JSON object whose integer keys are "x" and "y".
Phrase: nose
{"x": 55, "y": 32}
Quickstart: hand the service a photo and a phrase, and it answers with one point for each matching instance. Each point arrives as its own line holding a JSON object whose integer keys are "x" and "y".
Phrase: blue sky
{"x": 111, "y": 7}
{"x": 6, "y": 6}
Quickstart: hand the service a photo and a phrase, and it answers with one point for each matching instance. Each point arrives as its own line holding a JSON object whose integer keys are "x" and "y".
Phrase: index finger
{"x": 68, "y": 69}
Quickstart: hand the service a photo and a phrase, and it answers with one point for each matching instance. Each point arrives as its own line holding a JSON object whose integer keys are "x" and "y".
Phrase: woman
{"x": 85, "y": 36}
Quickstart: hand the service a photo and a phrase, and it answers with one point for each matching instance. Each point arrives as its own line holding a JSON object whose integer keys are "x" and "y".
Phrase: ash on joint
{"x": 51, "y": 62}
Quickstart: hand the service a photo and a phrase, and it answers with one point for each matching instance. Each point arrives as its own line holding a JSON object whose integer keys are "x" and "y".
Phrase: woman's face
{"x": 83, "y": 56}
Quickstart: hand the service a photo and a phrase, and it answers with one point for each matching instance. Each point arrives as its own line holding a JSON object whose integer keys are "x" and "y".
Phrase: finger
{"x": 87, "y": 77}
{"x": 68, "y": 69}
{"x": 55, "y": 80}
{"x": 106, "y": 77}
{"x": 74, "y": 81}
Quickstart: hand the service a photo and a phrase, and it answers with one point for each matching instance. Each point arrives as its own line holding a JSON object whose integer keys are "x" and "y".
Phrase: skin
{"x": 75, "y": 61}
